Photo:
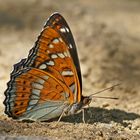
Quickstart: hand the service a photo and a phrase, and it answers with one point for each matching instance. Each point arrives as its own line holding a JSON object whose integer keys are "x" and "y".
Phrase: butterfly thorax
{"x": 74, "y": 108}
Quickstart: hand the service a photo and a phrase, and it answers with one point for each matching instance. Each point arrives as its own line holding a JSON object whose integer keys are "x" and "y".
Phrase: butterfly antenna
{"x": 105, "y": 97}
{"x": 109, "y": 88}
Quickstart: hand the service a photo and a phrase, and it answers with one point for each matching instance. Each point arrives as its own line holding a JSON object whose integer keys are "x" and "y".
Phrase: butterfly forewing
{"x": 57, "y": 22}
{"x": 49, "y": 78}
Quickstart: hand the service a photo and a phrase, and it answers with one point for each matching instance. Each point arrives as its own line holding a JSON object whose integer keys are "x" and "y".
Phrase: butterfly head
{"x": 76, "y": 107}
{"x": 86, "y": 100}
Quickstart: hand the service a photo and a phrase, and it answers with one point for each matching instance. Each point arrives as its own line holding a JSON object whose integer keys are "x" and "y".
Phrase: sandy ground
{"x": 107, "y": 35}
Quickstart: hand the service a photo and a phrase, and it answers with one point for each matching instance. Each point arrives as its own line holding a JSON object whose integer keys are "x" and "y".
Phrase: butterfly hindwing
{"x": 31, "y": 88}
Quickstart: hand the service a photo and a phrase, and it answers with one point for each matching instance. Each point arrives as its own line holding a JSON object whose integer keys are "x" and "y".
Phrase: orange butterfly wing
{"x": 49, "y": 78}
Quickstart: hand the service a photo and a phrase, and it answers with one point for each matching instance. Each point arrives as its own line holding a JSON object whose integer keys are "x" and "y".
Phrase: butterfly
{"x": 48, "y": 83}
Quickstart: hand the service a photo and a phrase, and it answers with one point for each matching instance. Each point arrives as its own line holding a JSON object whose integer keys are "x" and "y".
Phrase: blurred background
{"x": 107, "y": 34}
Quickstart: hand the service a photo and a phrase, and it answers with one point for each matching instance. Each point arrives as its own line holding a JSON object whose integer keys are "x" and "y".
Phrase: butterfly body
{"x": 48, "y": 82}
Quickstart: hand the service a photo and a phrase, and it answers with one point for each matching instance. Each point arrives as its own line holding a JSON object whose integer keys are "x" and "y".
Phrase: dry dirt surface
{"x": 107, "y": 34}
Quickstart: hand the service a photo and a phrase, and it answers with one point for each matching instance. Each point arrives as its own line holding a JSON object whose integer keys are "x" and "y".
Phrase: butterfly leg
{"x": 83, "y": 115}
{"x": 59, "y": 119}
{"x": 63, "y": 112}
{"x": 89, "y": 112}
{"x": 61, "y": 116}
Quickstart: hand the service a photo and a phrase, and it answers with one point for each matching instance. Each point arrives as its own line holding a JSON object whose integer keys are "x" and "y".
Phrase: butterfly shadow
{"x": 96, "y": 114}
